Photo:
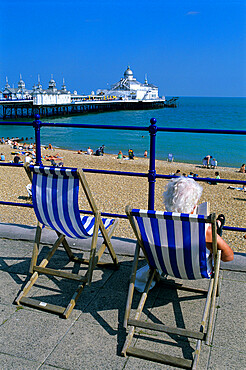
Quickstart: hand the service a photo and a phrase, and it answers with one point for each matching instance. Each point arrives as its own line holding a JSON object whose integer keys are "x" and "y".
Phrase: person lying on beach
{"x": 54, "y": 164}
{"x": 235, "y": 188}
{"x": 182, "y": 195}
{"x": 53, "y": 157}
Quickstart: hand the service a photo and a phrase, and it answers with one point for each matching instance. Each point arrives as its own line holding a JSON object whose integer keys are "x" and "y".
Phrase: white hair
{"x": 181, "y": 195}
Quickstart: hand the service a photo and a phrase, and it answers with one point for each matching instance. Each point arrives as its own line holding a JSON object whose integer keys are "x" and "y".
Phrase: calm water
{"x": 216, "y": 113}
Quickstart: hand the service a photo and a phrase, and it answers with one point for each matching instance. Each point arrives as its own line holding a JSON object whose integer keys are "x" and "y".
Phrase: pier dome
{"x": 52, "y": 82}
{"x": 128, "y": 73}
{"x": 21, "y": 83}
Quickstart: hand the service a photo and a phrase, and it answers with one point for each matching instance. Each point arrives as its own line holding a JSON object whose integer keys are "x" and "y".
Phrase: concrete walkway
{"x": 93, "y": 336}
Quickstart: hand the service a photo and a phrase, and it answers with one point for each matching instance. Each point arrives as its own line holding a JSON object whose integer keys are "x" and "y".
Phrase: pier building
{"x": 51, "y": 95}
{"x": 126, "y": 94}
{"x": 11, "y": 93}
{"x": 129, "y": 88}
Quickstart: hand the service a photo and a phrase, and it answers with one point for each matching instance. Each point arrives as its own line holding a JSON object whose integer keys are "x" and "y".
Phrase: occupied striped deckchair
{"x": 173, "y": 244}
{"x": 55, "y": 200}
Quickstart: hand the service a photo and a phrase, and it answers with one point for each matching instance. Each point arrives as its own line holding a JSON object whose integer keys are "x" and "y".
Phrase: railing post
{"x": 152, "y": 171}
{"x": 37, "y": 125}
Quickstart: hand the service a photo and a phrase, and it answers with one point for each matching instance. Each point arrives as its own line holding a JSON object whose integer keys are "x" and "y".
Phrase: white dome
{"x": 52, "y": 82}
{"x": 128, "y": 73}
{"x": 21, "y": 83}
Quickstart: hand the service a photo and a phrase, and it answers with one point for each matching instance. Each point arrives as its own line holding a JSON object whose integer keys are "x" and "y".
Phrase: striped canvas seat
{"x": 55, "y": 199}
{"x": 175, "y": 243}
{"x": 55, "y": 192}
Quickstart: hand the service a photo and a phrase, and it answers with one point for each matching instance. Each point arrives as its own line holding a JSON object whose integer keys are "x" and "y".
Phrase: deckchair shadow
{"x": 55, "y": 200}
{"x": 174, "y": 245}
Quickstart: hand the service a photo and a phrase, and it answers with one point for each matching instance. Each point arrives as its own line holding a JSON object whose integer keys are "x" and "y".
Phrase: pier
{"x": 26, "y": 108}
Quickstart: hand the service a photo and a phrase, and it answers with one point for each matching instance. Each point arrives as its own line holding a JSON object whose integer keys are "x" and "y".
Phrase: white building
{"x": 51, "y": 95}
{"x": 129, "y": 88}
{"x": 16, "y": 93}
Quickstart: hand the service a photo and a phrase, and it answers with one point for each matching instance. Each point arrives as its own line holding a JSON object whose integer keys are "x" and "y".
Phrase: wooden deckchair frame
{"x": 205, "y": 331}
{"x": 92, "y": 262}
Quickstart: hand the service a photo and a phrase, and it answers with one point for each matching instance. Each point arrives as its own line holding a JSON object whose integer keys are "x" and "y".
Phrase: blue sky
{"x": 187, "y": 48}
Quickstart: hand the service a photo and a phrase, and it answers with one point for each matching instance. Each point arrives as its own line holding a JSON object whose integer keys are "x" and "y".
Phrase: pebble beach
{"x": 112, "y": 192}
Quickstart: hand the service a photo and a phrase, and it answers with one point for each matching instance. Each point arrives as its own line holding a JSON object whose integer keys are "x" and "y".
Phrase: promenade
{"x": 92, "y": 337}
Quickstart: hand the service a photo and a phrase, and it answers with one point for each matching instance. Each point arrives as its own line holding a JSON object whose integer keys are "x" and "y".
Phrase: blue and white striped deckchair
{"x": 173, "y": 244}
{"x": 55, "y": 199}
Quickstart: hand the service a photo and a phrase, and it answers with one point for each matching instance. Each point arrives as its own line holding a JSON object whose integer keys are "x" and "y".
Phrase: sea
{"x": 191, "y": 112}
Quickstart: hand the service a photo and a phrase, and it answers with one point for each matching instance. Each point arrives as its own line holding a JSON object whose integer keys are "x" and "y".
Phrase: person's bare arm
{"x": 226, "y": 252}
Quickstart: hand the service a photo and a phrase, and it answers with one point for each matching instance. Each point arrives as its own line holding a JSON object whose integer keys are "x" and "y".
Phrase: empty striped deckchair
{"x": 173, "y": 244}
{"x": 55, "y": 200}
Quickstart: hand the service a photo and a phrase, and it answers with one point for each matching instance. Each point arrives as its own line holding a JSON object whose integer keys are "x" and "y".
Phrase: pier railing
{"x": 151, "y": 175}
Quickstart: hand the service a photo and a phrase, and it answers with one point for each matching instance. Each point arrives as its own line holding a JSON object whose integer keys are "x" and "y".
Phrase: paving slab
{"x": 87, "y": 346}
{"x": 9, "y": 362}
{"x": 233, "y": 293}
{"x": 230, "y": 330}
{"x": 32, "y": 335}
{"x": 6, "y": 311}
{"x": 92, "y": 337}
{"x": 227, "y": 359}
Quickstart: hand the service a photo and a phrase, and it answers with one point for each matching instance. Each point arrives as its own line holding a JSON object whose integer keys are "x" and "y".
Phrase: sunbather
{"x": 182, "y": 195}
{"x": 55, "y": 157}
{"x": 242, "y": 168}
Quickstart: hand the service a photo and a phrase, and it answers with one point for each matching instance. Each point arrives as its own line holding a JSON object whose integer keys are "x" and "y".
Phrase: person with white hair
{"x": 182, "y": 195}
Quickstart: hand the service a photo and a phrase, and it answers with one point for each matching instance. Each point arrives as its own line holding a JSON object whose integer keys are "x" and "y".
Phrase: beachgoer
{"x": 16, "y": 145}
{"x": 182, "y": 196}
{"x": 130, "y": 154}
{"x": 237, "y": 188}
{"x": 98, "y": 152}
{"x": 207, "y": 158}
{"x": 214, "y": 163}
{"x": 89, "y": 151}
{"x": 177, "y": 173}
{"x": 2, "y": 158}
{"x": 191, "y": 174}
{"x": 50, "y": 147}
{"x": 242, "y": 168}
{"x": 102, "y": 149}
{"x": 28, "y": 158}
{"x": 120, "y": 155}
{"x": 217, "y": 176}
{"x": 145, "y": 154}
{"x": 16, "y": 159}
